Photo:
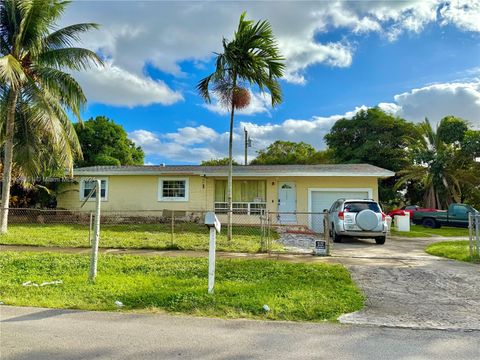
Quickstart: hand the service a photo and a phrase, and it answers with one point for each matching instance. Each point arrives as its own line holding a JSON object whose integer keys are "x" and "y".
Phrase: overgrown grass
{"x": 421, "y": 231}
{"x": 187, "y": 236}
{"x": 457, "y": 250}
{"x": 292, "y": 291}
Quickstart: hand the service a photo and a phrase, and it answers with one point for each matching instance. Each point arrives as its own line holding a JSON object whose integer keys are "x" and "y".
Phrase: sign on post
{"x": 320, "y": 247}
{"x": 211, "y": 221}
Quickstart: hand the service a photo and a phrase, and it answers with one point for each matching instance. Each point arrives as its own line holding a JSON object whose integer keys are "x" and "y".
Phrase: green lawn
{"x": 420, "y": 231}
{"x": 457, "y": 250}
{"x": 293, "y": 291}
{"x": 188, "y": 236}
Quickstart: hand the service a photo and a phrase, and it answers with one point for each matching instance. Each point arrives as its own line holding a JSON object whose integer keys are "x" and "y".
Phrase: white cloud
{"x": 163, "y": 34}
{"x": 193, "y": 144}
{"x": 437, "y": 101}
{"x": 115, "y": 86}
{"x": 259, "y": 103}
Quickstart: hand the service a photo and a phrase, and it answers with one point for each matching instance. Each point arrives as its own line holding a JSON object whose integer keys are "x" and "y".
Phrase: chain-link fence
{"x": 166, "y": 229}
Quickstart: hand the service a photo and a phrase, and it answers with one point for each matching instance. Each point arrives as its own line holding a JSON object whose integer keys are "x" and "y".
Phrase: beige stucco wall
{"x": 140, "y": 192}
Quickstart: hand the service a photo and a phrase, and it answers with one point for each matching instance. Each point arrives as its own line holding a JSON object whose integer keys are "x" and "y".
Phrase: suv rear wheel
{"x": 336, "y": 238}
{"x": 380, "y": 240}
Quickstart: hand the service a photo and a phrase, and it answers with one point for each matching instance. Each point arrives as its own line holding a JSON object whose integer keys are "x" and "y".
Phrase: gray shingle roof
{"x": 249, "y": 170}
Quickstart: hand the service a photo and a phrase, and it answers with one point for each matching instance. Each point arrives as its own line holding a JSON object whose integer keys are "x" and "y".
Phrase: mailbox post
{"x": 211, "y": 221}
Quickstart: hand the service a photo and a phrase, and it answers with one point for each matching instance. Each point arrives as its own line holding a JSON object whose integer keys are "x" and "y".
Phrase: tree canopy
{"x": 105, "y": 143}
{"x": 371, "y": 136}
{"x": 288, "y": 152}
{"x": 218, "y": 162}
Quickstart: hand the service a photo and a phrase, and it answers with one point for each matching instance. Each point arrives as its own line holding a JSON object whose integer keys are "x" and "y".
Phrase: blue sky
{"x": 412, "y": 58}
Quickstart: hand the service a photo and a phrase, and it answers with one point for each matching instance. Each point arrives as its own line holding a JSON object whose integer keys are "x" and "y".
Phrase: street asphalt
{"x": 36, "y": 333}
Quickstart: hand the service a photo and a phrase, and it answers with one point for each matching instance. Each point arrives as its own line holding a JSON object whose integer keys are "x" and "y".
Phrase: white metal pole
{"x": 477, "y": 232}
{"x": 96, "y": 231}
{"x": 211, "y": 260}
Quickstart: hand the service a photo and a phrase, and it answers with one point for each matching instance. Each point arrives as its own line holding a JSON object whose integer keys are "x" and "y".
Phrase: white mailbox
{"x": 211, "y": 220}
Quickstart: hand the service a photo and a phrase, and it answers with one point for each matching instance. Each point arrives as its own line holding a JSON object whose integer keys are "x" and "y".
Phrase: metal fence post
{"x": 90, "y": 229}
{"x": 326, "y": 231}
{"x": 172, "y": 235}
{"x": 477, "y": 233}
{"x": 470, "y": 233}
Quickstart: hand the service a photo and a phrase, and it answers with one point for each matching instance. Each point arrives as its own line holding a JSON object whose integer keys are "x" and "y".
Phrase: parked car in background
{"x": 456, "y": 216}
{"x": 410, "y": 209}
{"x": 357, "y": 218}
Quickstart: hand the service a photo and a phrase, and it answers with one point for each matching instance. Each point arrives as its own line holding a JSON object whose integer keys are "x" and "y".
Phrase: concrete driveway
{"x": 406, "y": 287}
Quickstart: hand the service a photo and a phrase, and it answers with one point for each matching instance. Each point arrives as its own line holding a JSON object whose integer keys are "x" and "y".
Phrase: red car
{"x": 409, "y": 209}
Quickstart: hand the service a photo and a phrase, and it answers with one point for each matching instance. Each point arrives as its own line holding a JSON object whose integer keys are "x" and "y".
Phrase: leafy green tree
{"x": 34, "y": 58}
{"x": 252, "y": 57}
{"x": 371, "y": 136}
{"x": 105, "y": 143}
{"x": 374, "y": 137}
{"x": 452, "y": 129}
{"x": 443, "y": 163}
{"x": 287, "y": 152}
{"x": 218, "y": 162}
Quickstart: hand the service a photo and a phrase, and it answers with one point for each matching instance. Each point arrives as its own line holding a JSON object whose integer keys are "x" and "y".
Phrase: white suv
{"x": 357, "y": 218}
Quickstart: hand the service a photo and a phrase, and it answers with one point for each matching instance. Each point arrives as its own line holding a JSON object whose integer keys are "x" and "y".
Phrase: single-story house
{"x": 283, "y": 189}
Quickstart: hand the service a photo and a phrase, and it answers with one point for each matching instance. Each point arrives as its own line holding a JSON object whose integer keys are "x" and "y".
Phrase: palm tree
{"x": 35, "y": 90}
{"x": 434, "y": 167}
{"x": 252, "y": 58}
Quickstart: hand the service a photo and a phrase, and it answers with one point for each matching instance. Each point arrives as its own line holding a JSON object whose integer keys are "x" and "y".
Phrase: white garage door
{"x": 321, "y": 200}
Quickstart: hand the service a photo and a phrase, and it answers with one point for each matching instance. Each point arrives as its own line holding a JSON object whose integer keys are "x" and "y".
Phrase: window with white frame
{"x": 86, "y": 185}
{"x": 173, "y": 189}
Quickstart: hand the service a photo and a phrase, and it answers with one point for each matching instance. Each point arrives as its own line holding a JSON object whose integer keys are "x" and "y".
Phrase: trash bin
{"x": 402, "y": 222}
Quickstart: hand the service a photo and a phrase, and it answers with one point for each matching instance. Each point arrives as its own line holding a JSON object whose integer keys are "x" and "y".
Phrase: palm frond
{"x": 67, "y": 36}
{"x": 11, "y": 71}
{"x": 70, "y": 58}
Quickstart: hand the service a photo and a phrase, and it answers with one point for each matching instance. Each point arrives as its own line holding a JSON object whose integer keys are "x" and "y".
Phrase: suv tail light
{"x": 340, "y": 215}
{"x": 383, "y": 216}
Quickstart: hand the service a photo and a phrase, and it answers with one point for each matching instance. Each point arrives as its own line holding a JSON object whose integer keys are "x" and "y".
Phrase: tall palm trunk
{"x": 8, "y": 160}
{"x": 230, "y": 173}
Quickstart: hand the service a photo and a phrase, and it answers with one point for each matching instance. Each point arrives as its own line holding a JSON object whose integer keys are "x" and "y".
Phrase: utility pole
{"x": 248, "y": 143}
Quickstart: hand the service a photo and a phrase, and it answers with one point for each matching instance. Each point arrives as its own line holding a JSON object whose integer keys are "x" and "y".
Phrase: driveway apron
{"x": 405, "y": 287}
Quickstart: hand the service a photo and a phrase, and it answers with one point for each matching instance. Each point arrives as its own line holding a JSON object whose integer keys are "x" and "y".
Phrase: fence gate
{"x": 296, "y": 232}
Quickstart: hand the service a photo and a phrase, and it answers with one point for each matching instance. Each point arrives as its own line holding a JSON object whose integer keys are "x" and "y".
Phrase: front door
{"x": 287, "y": 202}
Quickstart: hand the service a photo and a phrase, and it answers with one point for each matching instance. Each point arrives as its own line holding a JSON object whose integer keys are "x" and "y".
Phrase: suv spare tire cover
{"x": 367, "y": 220}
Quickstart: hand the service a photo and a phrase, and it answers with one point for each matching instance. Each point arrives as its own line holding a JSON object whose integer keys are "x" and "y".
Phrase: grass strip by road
{"x": 292, "y": 291}
{"x": 187, "y": 236}
{"x": 421, "y": 231}
{"x": 456, "y": 250}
